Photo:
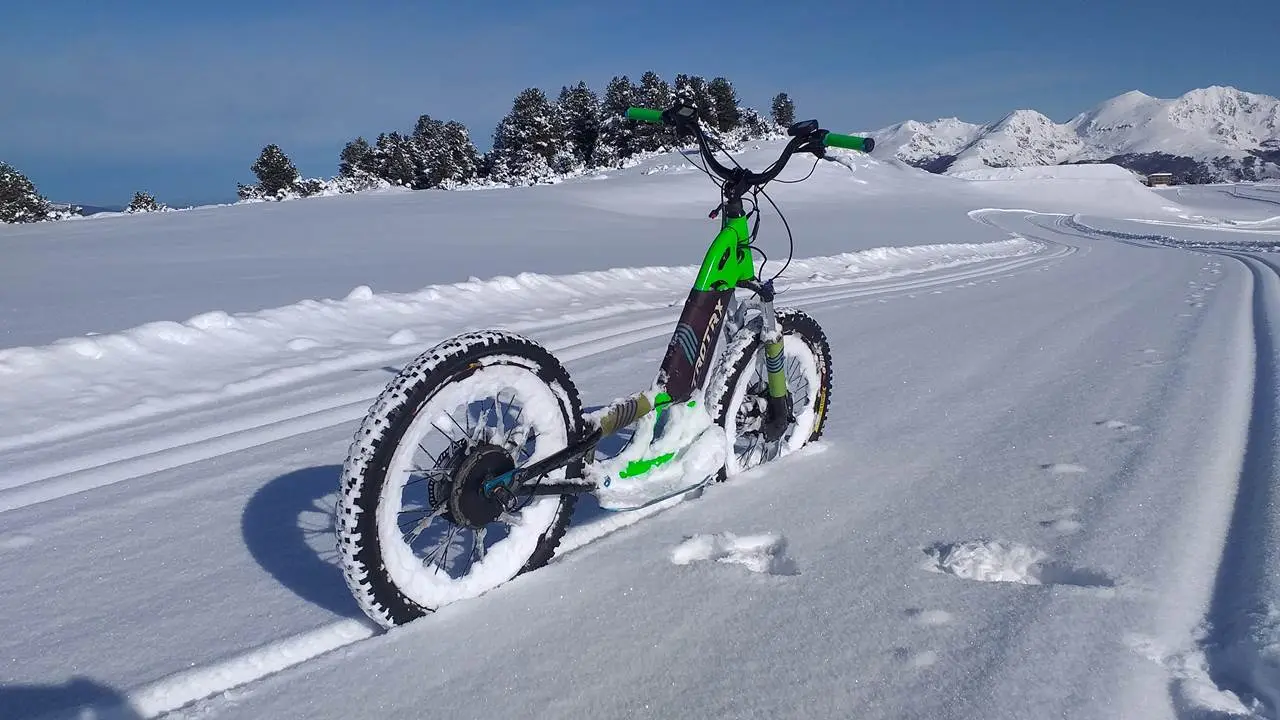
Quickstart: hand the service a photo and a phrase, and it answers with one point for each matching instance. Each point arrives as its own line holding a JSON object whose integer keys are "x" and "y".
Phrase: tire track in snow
{"x": 1189, "y": 684}
{"x": 70, "y": 475}
{"x": 1273, "y": 200}
{"x": 1242, "y": 644}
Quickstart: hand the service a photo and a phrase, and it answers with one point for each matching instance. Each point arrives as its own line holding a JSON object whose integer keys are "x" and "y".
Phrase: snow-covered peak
{"x": 1023, "y": 137}
{"x": 1205, "y": 124}
{"x": 1229, "y": 116}
{"x": 913, "y": 141}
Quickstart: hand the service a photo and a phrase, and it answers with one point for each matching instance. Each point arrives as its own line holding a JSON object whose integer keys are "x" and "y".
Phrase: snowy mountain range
{"x": 1207, "y": 135}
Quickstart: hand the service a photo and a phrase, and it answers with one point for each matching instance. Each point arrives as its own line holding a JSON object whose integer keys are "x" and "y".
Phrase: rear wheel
{"x": 737, "y": 396}
{"x": 415, "y": 529}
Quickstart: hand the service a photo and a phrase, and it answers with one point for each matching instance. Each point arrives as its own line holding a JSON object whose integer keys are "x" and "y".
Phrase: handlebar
{"x": 645, "y": 114}
{"x": 849, "y": 142}
{"x": 807, "y": 137}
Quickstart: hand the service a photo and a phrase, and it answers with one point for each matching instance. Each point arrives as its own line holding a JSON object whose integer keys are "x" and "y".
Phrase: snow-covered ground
{"x": 1047, "y": 487}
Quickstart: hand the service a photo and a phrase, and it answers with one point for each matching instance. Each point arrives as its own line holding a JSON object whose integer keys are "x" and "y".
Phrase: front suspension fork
{"x": 778, "y": 399}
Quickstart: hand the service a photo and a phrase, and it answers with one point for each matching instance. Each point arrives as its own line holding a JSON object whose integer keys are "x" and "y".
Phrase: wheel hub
{"x": 468, "y": 504}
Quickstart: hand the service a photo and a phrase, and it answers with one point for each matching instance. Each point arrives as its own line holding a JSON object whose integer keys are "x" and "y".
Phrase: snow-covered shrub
{"x": 144, "y": 202}
{"x": 21, "y": 203}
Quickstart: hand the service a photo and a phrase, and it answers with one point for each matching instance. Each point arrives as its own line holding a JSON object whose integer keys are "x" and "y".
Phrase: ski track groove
{"x": 1235, "y": 192}
{"x": 1243, "y": 588}
{"x": 181, "y": 689}
{"x": 68, "y": 476}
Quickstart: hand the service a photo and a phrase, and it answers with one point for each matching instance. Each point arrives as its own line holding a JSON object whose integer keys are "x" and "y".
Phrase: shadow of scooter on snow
{"x": 77, "y": 698}
{"x": 288, "y": 526}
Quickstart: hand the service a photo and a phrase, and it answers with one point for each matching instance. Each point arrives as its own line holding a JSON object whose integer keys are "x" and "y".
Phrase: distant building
{"x": 1159, "y": 179}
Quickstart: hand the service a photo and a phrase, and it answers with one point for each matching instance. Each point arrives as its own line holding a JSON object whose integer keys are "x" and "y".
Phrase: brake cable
{"x": 702, "y": 139}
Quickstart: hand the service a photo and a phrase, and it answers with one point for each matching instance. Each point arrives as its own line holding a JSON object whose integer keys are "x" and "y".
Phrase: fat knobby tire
{"x": 364, "y": 472}
{"x": 742, "y": 353}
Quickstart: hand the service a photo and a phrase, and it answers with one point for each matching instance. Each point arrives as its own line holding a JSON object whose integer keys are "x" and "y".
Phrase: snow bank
{"x": 76, "y": 384}
{"x": 1102, "y": 187}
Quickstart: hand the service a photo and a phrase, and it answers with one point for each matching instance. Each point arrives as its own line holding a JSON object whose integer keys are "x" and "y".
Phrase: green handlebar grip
{"x": 645, "y": 114}
{"x": 849, "y": 142}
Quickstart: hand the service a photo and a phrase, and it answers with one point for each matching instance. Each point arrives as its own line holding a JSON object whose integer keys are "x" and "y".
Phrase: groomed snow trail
{"x": 967, "y": 427}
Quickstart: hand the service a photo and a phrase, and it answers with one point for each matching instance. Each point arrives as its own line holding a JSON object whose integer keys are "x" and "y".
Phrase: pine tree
{"x": 459, "y": 158}
{"x": 426, "y": 150}
{"x": 783, "y": 110}
{"x": 526, "y": 140}
{"x": 144, "y": 202}
{"x": 19, "y": 201}
{"x": 355, "y": 158}
{"x": 753, "y": 126}
{"x": 395, "y": 155}
{"x": 693, "y": 89}
{"x": 654, "y": 92}
{"x": 578, "y": 116}
{"x": 724, "y": 104}
{"x": 519, "y": 167}
{"x": 275, "y": 171}
{"x": 531, "y": 125}
{"x": 617, "y": 134}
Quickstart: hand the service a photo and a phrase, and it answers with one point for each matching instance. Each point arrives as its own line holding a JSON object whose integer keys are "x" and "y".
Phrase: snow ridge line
{"x": 1075, "y": 223}
{"x": 65, "y": 478}
{"x": 112, "y": 380}
{"x": 1242, "y": 644}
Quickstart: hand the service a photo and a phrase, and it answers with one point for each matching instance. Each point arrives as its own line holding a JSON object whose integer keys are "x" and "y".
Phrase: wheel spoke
{"x": 529, "y": 442}
{"x": 424, "y": 523}
{"x": 446, "y": 435}
{"x": 448, "y": 543}
{"x": 431, "y": 556}
{"x": 454, "y": 420}
{"x": 503, "y": 425}
{"x": 511, "y": 441}
{"x": 477, "y": 545}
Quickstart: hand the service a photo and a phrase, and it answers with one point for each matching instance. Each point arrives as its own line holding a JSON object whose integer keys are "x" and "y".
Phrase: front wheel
{"x": 415, "y": 528}
{"x": 737, "y": 397}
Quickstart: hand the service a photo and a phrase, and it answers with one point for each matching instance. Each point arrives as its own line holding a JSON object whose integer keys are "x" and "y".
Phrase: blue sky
{"x": 100, "y": 99}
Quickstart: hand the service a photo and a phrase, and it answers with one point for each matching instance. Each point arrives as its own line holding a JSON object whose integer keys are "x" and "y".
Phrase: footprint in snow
{"x": 14, "y": 542}
{"x": 931, "y": 618}
{"x": 915, "y": 659}
{"x": 762, "y": 553}
{"x": 403, "y": 337}
{"x": 1064, "y": 468}
{"x": 1063, "y": 521}
{"x": 927, "y": 619}
{"x": 1006, "y": 562}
